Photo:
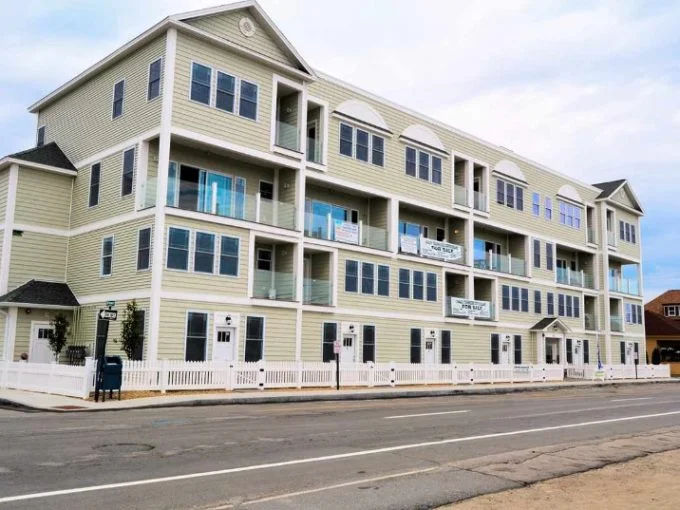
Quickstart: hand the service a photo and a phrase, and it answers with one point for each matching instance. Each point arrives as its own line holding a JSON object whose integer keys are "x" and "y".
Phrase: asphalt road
{"x": 369, "y": 454}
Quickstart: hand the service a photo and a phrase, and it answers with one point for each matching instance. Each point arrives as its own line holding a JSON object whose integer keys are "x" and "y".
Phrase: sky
{"x": 591, "y": 89}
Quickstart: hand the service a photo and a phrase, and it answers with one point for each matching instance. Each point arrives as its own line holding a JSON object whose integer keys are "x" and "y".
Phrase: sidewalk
{"x": 27, "y": 400}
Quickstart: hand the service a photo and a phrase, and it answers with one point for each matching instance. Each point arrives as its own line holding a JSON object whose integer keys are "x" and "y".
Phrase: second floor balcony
{"x": 501, "y": 263}
{"x": 616, "y": 323}
{"x": 574, "y": 278}
{"x": 591, "y": 322}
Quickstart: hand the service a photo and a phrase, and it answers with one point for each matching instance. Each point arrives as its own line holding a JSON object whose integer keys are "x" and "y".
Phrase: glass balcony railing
{"x": 326, "y": 227}
{"x": 616, "y": 323}
{"x": 274, "y": 285}
{"x": 314, "y": 151}
{"x": 287, "y": 136}
{"x": 146, "y": 194}
{"x": 624, "y": 286}
{"x": 591, "y": 322}
{"x": 611, "y": 238}
{"x": 591, "y": 236}
{"x": 317, "y": 292}
{"x": 479, "y": 201}
{"x": 431, "y": 249}
{"x": 502, "y": 264}
{"x": 460, "y": 195}
{"x": 567, "y": 276}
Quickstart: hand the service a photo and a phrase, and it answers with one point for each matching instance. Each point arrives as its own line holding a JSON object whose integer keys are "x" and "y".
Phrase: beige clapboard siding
{"x": 4, "y": 185}
{"x": 37, "y": 256}
{"x": 111, "y": 203}
{"x": 622, "y": 197}
{"x": 43, "y": 199}
{"x": 226, "y": 26}
{"x": 85, "y": 327}
{"x": 25, "y": 318}
{"x": 393, "y": 302}
{"x": 189, "y": 281}
{"x": 210, "y": 121}
{"x": 470, "y": 344}
{"x": 626, "y": 248}
{"x": 279, "y": 342}
{"x": 80, "y": 122}
{"x": 84, "y": 270}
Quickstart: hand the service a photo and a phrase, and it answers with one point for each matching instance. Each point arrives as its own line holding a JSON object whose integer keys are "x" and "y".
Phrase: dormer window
{"x": 422, "y": 164}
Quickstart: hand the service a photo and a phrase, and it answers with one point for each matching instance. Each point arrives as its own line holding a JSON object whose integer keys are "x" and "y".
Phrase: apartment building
{"x": 255, "y": 208}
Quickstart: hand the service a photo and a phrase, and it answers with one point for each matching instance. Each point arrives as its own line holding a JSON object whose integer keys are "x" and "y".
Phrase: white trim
{"x": 10, "y": 208}
{"x": 36, "y": 306}
{"x": 115, "y": 296}
{"x": 107, "y": 223}
{"x": 9, "y": 160}
{"x": 99, "y": 156}
{"x": 10, "y": 334}
{"x": 42, "y": 230}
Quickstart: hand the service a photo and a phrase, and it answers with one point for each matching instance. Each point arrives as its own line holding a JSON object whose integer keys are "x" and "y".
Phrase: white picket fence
{"x": 169, "y": 375}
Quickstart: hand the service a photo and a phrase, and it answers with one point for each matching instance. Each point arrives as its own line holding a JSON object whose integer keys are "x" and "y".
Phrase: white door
{"x": 224, "y": 345}
{"x": 552, "y": 351}
{"x": 40, "y": 351}
{"x": 348, "y": 348}
{"x": 577, "y": 356}
{"x": 430, "y": 349}
{"x": 505, "y": 352}
{"x": 630, "y": 353}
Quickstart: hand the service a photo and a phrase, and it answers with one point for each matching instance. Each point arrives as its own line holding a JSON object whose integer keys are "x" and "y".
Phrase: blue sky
{"x": 591, "y": 89}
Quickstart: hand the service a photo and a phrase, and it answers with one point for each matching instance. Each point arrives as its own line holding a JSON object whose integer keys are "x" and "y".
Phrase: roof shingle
{"x": 36, "y": 292}
{"x": 49, "y": 154}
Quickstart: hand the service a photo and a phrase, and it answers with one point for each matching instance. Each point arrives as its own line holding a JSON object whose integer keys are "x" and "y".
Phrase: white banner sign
{"x": 440, "y": 250}
{"x": 346, "y": 232}
{"x": 408, "y": 244}
{"x": 468, "y": 307}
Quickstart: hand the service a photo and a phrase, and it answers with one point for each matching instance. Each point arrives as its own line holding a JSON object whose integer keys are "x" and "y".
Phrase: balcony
{"x": 288, "y": 117}
{"x": 624, "y": 286}
{"x": 616, "y": 323}
{"x": 611, "y": 238}
{"x": 431, "y": 249}
{"x": 315, "y": 151}
{"x": 274, "y": 285}
{"x": 317, "y": 292}
{"x": 566, "y": 276}
{"x": 325, "y": 227}
{"x": 591, "y": 322}
{"x": 287, "y": 136}
{"x": 460, "y": 195}
{"x": 501, "y": 264}
{"x": 469, "y": 309}
{"x": 479, "y": 201}
{"x": 592, "y": 238}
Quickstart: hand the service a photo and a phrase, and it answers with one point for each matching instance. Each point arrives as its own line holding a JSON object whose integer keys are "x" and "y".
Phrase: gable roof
{"x": 670, "y": 297}
{"x": 49, "y": 154}
{"x": 610, "y": 188}
{"x": 656, "y": 324}
{"x": 41, "y": 294}
{"x": 546, "y": 322}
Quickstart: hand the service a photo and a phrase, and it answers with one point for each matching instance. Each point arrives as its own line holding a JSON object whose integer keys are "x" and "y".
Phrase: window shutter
{"x": 446, "y": 346}
{"x": 330, "y": 331}
{"x": 518, "y": 349}
{"x": 586, "y": 352}
{"x": 570, "y": 358}
{"x": 415, "y": 345}
{"x": 622, "y": 347}
{"x": 537, "y": 253}
{"x": 494, "y": 349}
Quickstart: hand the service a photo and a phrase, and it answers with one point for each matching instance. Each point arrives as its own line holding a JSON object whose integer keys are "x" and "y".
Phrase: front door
{"x": 348, "y": 348}
{"x": 430, "y": 349}
{"x": 224, "y": 346}
{"x": 552, "y": 351}
{"x": 505, "y": 352}
{"x": 577, "y": 356}
{"x": 40, "y": 343}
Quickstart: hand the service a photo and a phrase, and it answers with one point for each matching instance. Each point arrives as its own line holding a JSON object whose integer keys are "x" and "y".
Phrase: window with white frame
{"x": 154, "y": 86}
{"x": 248, "y": 100}
{"x": 570, "y": 215}
{"x": 118, "y": 97}
{"x": 548, "y": 209}
{"x": 404, "y": 283}
{"x": 418, "y": 285}
{"x": 431, "y": 287}
{"x": 633, "y": 313}
{"x": 232, "y": 94}
{"x": 229, "y": 255}
{"x": 144, "y": 249}
{"x": 671, "y": 310}
{"x": 568, "y": 306}
{"x": 367, "y": 278}
{"x": 329, "y": 336}
{"x": 178, "y": 249}
{"x": 383, "y": 280}
{"x": 128, "y": 177}
{"x": 95, "y": 180}
{"x": 225, "y": 93}
{"x": 509, "y": 194}
{"x": 361, "y": 145}
{"x": 515, "y": 299}
{"x": 204, "y": 252}
{"x": 423, "y": 165}
{"x": 627, "y": 232}
{"x": 107, "y": 256}
{"x": 351, "y": 276}
{"x": 196, "y": 336}
{"x": 254, "y": 348}
{"x": 411, "y": 161}
{"x": 538, "y": 308}
{"x": 201, "y": 81}
{"x": 537, "y": 253}
{"x": 536, "y": 204}
{"x": 264, "y": 259}
{"x": 368, "y": 343}
{"x": 550, "y": 298}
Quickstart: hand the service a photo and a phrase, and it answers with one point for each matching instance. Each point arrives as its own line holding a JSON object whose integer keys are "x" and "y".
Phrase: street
{"x": 365, "y": 454}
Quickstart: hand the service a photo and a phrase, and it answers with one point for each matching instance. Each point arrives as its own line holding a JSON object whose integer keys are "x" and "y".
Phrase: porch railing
{"x": 326, "y": 227}
{"x": 317, "y": 292}
{"x": 274, "y": 285}
{"x": 460, "y": 195}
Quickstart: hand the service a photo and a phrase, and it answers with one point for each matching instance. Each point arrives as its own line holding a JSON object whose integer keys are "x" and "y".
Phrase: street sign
{"x": 108, "y": 315}
{"x": 110, "y": 304}
{"x": 337, "y": 347}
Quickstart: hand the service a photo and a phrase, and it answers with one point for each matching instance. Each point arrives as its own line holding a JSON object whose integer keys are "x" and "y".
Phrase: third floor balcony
{"x": 500, "y": 251}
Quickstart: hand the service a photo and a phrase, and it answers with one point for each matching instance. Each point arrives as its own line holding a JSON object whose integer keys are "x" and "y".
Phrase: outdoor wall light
{"x": 228, "y": 320}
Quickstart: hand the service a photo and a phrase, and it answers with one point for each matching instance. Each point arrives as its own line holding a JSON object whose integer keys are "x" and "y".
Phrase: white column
{"x": 469, "y": 182}
{"x": 141, "y": 174}
{"x": 161, "y": 193}
{"x": 10, "y": 334}
{"x": 393, "y": 224}
{"x": 604, "y": 255}
{"x": 9, "y": 227}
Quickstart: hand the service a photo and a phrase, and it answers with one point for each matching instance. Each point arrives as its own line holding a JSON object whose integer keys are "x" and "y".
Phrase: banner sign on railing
{"x": 408, "y": 244}
{"x": 480, "y": 309}
{"x": 440, "y": 250}
{"x": 346, "y": 232}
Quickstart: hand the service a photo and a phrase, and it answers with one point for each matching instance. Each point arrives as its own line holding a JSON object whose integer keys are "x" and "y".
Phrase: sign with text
{"x": 346, "y": 232}
{"x": 472, "y": 308}
{"x": 408, "y": 244}
{"x": 337, "y": 347}
{"x": 108, "y": 315}
{"x": 440, "y": 250}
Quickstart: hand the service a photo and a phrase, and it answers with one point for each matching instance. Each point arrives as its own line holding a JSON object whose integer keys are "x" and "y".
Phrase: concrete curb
{"x": 487, "y": 389}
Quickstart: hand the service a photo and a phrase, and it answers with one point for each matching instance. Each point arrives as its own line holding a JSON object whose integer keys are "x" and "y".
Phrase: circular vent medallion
{"x": 247, "y": 27}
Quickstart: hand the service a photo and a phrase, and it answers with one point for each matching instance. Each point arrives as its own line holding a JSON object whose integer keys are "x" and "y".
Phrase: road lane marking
{"x": 629, "y": 399}
{"x": 585, "y": 409}
{"x": 424, "y": 414}
{"x": 327, "y": 488}
{"x": 339, "y": 456}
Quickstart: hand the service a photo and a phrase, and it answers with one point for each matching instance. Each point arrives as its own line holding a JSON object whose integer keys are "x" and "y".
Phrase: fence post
{"x": 87, "y": 380}
{"x": 164, "y": 375}
{"x": 227, "y": 376}
{"x": 472, "y": 374}
{"x": 261, "y": 375}
{"x": 454, "y": 374}
{"x": 299, "y": 374}
{"x": 393, "y": 374}
{"x": 371, "y": 374}
{"x": 5, "y": 374}
{"x": 233, "y": 374}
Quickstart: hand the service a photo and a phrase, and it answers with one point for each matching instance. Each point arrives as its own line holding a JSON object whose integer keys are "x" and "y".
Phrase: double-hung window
{"x": 416, "y": 338}
{"x": 424, "y": 166}
{"x": 537, "y": 302}
{"x": 368, "y": 338}
{"x": 229, "y": 252}
{"x": 506, "y": 297}
{"x": 436, "y": 170}
{"x": 254, "y": 349}
{"x": 40, "y": 139}
{"x": 432, "y": 286}
{"x": 383, "y": 280}
{"x": 346, "y": 140}
{"x": 411, "y": 161}
{"x": 537, "y": 253}
{"x": 378, "y": 150}
{"x": 118, "y": 97}
{"x": 330, "y": 335}
{"x": 548, "y": 209}
{"x": 549, "y": 256}
{"x": 446, "y": 346}
{"x": 509, "y": 195}
{"x": 560, "y": 305}
{"x": 264, "y": 259}
{"x": 153, "y": 89}
{"x": 577, "y": 307}
{"x": 178, "y": 249}
{"x": 225, "y": 95}
{"x": 367, "y": 278}
{"x": 204, "y": 252}
{"x": 516, "y": 304}
{"x": 128, "y": 172}
{"x": 418, "y": 285}
{"x": 201, "y": 77}
{"x": 569, "y": 306}
{"x": 536, "y": 204}
{"x": 525, "y": 300}
{"x": 570, "y": 215}
{"x": 500, "y": 192}
{"x": 351, "y": 276}
{"x": 248, "y": 101}
{"x": 95, "y": 178}
{"x": 551, "y": 304}
{"x": 144, "y": 249}
{"x": 404, "y": 283}
{"x": 107, "y": 256}
{"x": 197, "y": 336}
{"x": 519, "y": 198}
{"x": 362, "y": 145}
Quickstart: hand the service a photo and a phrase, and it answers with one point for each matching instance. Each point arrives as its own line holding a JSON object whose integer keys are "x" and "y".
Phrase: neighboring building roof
{"x": 49, "y": 154}
{"x": 609, "y": 188}
{"x": 41, "y": 294}
{"x": 670, "y": 297}
{"x": 658, "y": 325}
